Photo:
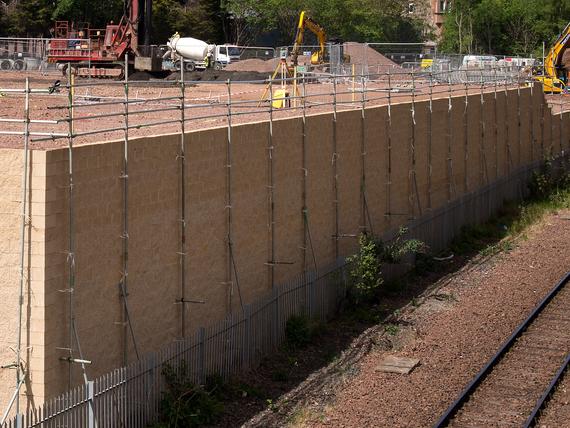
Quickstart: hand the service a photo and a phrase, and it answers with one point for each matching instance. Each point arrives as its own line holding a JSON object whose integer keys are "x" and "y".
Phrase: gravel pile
{"x": 255, "y": 64}
{"x": 361, "y": 53}
{"x": 453, "y": 330}
{"x": 211, "y": 75}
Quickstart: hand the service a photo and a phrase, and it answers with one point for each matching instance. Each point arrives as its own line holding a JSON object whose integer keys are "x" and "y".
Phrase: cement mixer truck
{"x": 197, "y": 54}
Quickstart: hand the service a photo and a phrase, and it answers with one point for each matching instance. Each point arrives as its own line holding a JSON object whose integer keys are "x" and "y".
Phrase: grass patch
{"x": 548, "y": 194}
{"x": 392, "y": 329}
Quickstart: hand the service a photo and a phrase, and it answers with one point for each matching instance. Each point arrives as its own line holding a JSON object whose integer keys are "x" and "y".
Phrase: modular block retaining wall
{"x": 375, "y": 169}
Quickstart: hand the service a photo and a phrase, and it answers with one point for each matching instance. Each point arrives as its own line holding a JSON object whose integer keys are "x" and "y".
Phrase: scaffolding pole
{"x": 334, "y": 161}
{"x": 450, "y": 186}
{"x": 126, "y": 322}
{"x": 307, "y": 239}
{"x": 304, "y": 174}
{"x": 429, "y": 142}
{"x": 484, "y": 178}
{"x": 25, "y": 222}
{"x": 270, "y": 192}
{"x": 365, "y": 219}
{"x": 507, "y": 133}
{"x": 182, "y": 165}
{"x": 388, "y": 211}
{"x": 466, "y": 140}
{"x": 561, "y": 98}
{"x": 412, "y": 182}
{"x": 496, "y": 112}
{"x": 531, "y": 125}
{"x": 73, "y": 335}
{"x": 71, "y": 242}
{"x": 519, "y": 122}
{"x": 229, "y": 200}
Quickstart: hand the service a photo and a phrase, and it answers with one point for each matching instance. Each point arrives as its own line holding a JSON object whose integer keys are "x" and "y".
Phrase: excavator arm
{"x": 307, "y": 22}
{"x": 552, "y": 61}
{"x": 550, "y": 79}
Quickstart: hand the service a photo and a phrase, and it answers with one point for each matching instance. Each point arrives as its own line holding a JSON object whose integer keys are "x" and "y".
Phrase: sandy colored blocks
{"x": 410, "y": 164}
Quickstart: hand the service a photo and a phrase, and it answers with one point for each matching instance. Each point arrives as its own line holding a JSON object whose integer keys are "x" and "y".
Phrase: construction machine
{"x": 305, "y": 21}
{"x": 554, "y": 73}
{"x": 197, "y": 54}
{"x": 102, "y": 52}
{"x": 317, "y": 57}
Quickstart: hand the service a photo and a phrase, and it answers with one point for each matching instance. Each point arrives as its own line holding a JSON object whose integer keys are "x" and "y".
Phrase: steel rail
{"x": 543, "y": 400}
{"x": 472, "y": 386}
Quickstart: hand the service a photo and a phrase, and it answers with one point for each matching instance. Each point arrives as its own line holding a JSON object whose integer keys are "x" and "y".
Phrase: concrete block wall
{"x": 410, "y": 163}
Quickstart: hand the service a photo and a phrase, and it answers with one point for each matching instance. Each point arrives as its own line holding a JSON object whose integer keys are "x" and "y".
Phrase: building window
{"x": 444, "y": 6}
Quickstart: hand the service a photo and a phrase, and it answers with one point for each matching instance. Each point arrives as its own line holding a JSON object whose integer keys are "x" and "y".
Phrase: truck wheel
{"x": 18, "y": 65}
{"x": 5, "y": 64}
{"x": 217, "y": 66}
{"x": 189, "y": 66}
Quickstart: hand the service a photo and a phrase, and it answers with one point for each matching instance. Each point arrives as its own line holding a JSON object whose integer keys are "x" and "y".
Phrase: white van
{"x": 479, "y": 61}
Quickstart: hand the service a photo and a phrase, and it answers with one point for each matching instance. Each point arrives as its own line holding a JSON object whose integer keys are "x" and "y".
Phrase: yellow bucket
{"x": 281, "y": 99}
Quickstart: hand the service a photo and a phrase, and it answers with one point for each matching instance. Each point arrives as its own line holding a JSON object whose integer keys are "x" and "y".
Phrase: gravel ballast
{"x": 491, "y": 299}
{"x": 453, "y": 331}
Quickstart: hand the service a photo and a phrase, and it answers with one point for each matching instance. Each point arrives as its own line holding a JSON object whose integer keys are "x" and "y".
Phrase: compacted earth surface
{"x": 453, "y": 327}
{"x": 154, "y": 106}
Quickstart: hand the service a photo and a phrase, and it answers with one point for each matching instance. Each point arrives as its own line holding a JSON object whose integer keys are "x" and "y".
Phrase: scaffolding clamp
{"x": 75, "y": 360}
{"x": 182, "y": 301}
{"x": 276, "y": 262}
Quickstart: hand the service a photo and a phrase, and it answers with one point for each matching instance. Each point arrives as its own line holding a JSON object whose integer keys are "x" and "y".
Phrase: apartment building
{"x": 432, "y": 11}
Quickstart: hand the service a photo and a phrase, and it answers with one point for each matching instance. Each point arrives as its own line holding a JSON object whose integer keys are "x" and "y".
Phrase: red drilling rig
{"x": 102, "y": 52}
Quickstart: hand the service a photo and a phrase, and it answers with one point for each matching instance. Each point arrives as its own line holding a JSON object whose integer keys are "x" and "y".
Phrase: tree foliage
{"x": 355, "y": 20}
{"x": 32, "y": 18}
{"x": 512, "y": 27}
{"x": 201, "y": 20}
{"x": 491, "y": 26}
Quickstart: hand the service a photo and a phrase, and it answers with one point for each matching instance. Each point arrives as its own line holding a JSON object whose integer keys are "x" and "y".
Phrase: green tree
{"x": 201, "y": 20}
{"x": 488, "y": 17}
{"x": 97, "y": 13}
{"x": 242, "y": 21}
{"x": 354, "y": 20}
{"x": 31, "y": 18}
{"x": 512, "y": 27}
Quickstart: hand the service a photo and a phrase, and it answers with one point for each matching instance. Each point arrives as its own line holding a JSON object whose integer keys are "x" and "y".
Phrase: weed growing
{"x": 366, "y": 264}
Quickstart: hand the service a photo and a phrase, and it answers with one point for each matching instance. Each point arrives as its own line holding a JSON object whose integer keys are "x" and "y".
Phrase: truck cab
{"x": 222, "y": 55}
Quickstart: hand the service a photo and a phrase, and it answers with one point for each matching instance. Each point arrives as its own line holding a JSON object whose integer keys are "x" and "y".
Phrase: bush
{"x": 400, "y": 247}
{"x": 544, "y": 182}
{"x": 365, "y": 272}
{"x": 297, "y": 331}
{"x": 185, "y": 404}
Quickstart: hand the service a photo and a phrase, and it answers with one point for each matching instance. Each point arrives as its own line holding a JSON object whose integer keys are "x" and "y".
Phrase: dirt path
{"x": 453, "y": 330}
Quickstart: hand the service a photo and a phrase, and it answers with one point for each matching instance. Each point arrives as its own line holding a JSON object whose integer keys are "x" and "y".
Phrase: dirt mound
{"x": 220, "y": 75}
{"x": 140, "y": 76}
{"x": 361, "y": 53}
{"x": 254, "y": 64}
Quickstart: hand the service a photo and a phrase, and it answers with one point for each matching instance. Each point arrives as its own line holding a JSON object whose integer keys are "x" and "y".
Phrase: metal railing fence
{"x": 130, "y": 396}
{"x": 227, "y": 100}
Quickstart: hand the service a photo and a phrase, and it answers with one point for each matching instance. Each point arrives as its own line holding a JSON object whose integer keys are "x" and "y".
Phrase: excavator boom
{"x": 552, "y": 61}
{"x": 554, "y": 78}
{"x": 307, "y": 22}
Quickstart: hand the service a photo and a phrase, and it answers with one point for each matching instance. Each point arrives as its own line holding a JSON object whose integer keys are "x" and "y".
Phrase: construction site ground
{"x": 453, "y": 325}
{"x": 206, "y": 103}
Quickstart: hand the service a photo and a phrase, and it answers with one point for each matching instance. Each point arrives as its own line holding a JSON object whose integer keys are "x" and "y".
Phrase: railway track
{"x": 514, "y": 387}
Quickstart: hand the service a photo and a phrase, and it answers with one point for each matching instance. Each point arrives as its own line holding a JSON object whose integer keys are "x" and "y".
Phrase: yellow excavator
{"x": 317, "y": 57}
{"x": 554, "y": 76}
